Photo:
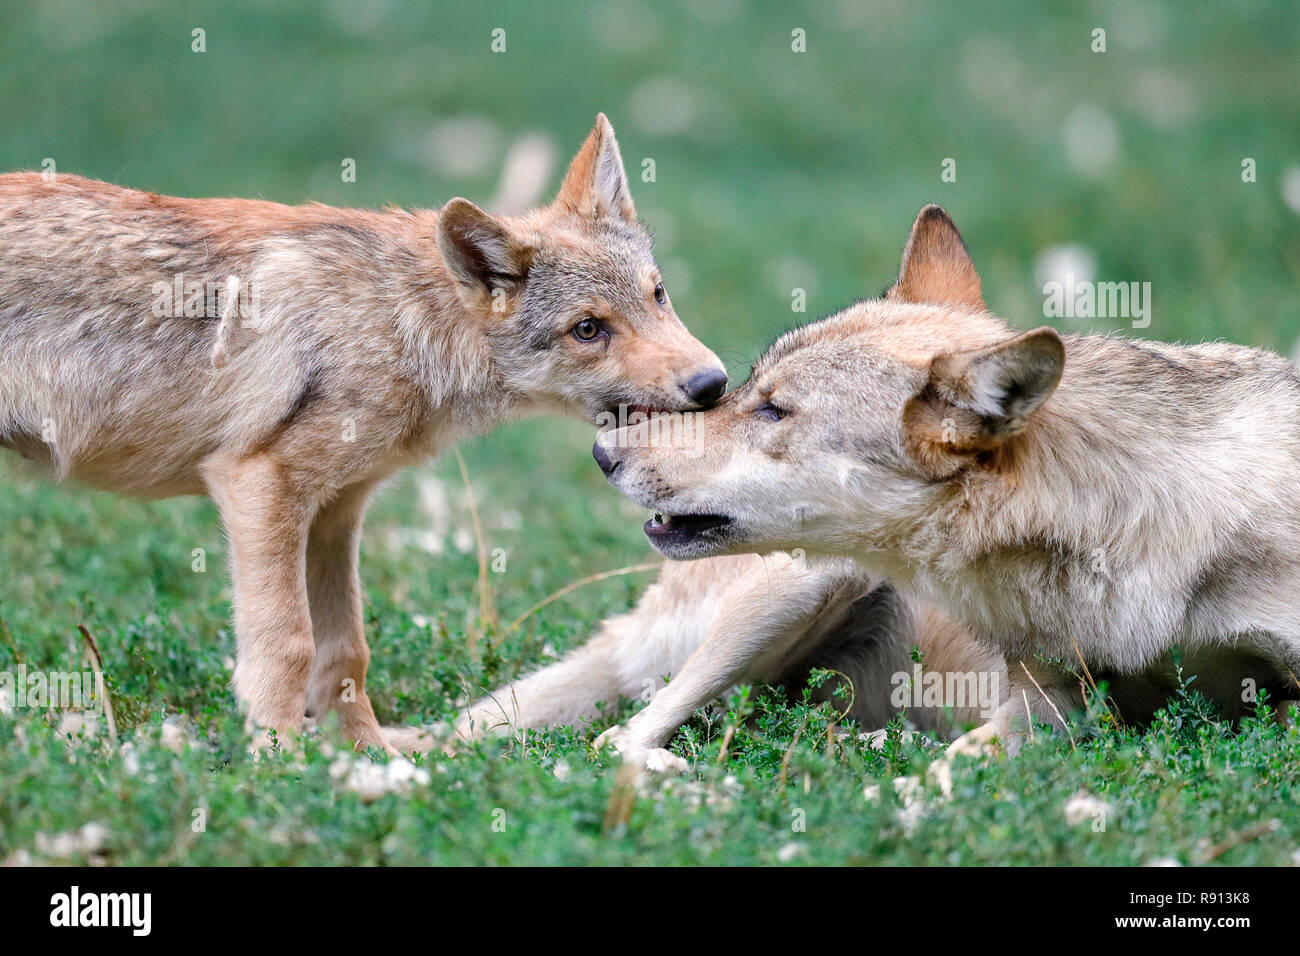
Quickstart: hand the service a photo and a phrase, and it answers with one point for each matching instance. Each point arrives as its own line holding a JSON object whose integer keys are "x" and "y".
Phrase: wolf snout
{"x": 603, "y": 458}
{"x": 705, "y": 388}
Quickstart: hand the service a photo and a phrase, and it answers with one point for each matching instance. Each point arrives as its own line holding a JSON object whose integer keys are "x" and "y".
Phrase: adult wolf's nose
{"x": 607, "y": 464}
{"x": 705, "y": 388}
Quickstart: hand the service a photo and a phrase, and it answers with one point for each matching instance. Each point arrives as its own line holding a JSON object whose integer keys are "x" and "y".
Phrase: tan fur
{"x": 721, "y": 621}
{"x": 370, "y": 340}
{"x": 1094, "y": 500}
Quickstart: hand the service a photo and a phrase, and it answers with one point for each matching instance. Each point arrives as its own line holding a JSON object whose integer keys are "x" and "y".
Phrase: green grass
{"x": 794, "y": 170}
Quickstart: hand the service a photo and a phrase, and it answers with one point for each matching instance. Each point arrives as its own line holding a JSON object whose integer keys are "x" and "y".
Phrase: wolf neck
{"x": 1116, "y": 497}
{"x": 450, "y": 349}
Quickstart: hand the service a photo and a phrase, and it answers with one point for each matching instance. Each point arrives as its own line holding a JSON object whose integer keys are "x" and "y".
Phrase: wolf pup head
{"x": 852, "y": 431}
{"x": 574, "y": 306}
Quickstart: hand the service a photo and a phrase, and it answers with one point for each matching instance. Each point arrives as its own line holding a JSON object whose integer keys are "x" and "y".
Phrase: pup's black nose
{"x": 607, "y": 464}
{"x": 705, "y": 388}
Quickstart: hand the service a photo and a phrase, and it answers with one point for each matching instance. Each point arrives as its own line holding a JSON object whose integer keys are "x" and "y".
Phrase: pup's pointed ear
{"x": 596, "y": 184}
{"x": 936, "y": 267}
{"x": 976, "y": 400}
{"x": 478, "y": 250}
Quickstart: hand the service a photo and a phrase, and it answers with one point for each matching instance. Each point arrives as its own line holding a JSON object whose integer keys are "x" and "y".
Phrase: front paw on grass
{"x": 638, "y": 753}
{"x": 982, "y": 743}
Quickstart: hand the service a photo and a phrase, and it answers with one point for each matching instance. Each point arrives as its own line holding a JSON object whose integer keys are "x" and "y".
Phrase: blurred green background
{"x": 774, "y": 170}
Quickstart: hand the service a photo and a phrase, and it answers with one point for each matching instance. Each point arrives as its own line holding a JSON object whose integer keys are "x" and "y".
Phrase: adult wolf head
{"x": 845, "y": 437}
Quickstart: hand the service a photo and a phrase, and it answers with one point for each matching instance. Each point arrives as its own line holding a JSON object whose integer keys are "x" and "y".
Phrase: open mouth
{"x": 682, "y": 529}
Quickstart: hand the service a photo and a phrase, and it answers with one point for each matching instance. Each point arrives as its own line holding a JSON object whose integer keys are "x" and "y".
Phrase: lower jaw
{"x": 682, "y": 545}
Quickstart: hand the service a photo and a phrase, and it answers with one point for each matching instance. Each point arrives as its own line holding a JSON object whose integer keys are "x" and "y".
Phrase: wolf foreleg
{"x": 267, "y": 520}
{"x": 337, "y": 681}
{"x": 765, "y": 616}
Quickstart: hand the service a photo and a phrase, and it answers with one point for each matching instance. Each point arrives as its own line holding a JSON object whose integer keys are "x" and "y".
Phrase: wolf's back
{"x": 96, "y": 341}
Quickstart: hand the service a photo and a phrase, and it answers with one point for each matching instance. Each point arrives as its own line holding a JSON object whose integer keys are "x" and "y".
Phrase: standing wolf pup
{"x": 321, "y": 350}
{"x": 1087, "y": 503}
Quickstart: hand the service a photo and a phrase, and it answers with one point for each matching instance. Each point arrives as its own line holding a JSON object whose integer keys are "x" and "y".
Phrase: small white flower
{"x": 663, "y": 106}
{"x": 790, "y": 851}
{"x": 76, "y": 725}
{"x": 1091, "y": 140}
{"x": 911, "y": 791}
{"x": 400, "y": 774}
{"x": 1291, "y": 187}
{"x": 340, "y": 767}
{"x": 1084, "y": 806}
{"x": 461, "y": 145}
{"x": 61, "y": 845}
{"x": 1068, "y": 264}
{"x": 463, "y": 540}
{"x": 367, "y": 781}
{"x": 173, "y": 736}
{"x": 90, "y": 839}
{"x": 130, "y": 759}
{"x": 93, "y": 836}
{"x": 371, "y": 781}
{"x": 940, "y": 774}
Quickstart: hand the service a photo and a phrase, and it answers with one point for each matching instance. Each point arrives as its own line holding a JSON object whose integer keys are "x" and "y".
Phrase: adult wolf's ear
{"x": 596, "y": 184}
{"x": 975, "y": 400}
{"x": 478, "y": 251}
{"x": 936, "y": 267}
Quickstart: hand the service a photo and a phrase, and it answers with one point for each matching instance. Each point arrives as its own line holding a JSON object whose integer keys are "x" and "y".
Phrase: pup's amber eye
{"x": 587, "y": 329}
{"x": 660, "y": 295}
{"x": 769, "y": 412}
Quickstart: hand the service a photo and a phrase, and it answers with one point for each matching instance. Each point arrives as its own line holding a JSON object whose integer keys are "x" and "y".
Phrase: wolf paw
{"x": 263, "y": 741}
{"x": 876, "y": 739}
{"x": 982, "y": 743}
{"x": 634, "y": 751}
{"x": 659, "y": 760}
{"x": 408, "y": 740}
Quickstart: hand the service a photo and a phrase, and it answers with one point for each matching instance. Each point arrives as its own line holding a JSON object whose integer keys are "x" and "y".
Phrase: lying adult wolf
{"x": 747, "y": 618}
{"x": 1085, "y": 503}
{"x": 286, "y": 359}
